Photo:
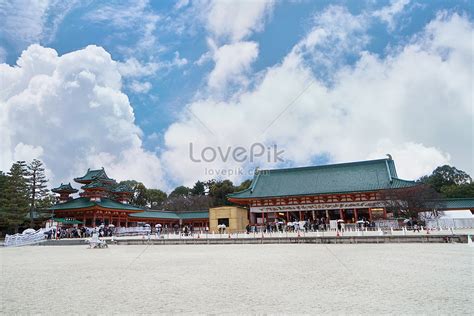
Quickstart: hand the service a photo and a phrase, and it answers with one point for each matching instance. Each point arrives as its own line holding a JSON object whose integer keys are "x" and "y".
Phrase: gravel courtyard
{"x": 239, "y": 279}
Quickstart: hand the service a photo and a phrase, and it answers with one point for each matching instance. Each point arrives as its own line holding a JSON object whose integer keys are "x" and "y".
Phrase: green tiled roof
{"x": 73, "y": 204}
{"x": 67, "y": 188}
{"x": 108, "y": 203}
{"x": 360, "y": 176}
{"x": 83, "y": 202}
{"x": 122, "y": 188}
{"x": 193, "y": 215}
{"x": 156, "y": 214}
{"x": 457, "y": 204}
{"x": 96, "y": 184}
{"x": 91, "y": 175}
{"x": 171, "y": 215}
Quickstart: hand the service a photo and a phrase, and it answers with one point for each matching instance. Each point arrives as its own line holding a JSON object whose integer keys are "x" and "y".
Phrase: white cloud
{"x": 70, "y": 111}
{"x": 24, "y": 22}
{"x": 140, "y": 87}
{"x": 27, "y": 152}
{"x": 125, "y": 15}
{"x": 232, "y": 62}
{"x": 178, "y": 61}
{"x": 235, "y": 20}
{"x": 134, "y": 68}
{"x": 414, "y": 160}
{"x": 390, "y": 12}
{"x": 135, "y": 16}
{"x": 335, "y": 34}
{"x": 232, "y": 21}
{"x": 416, "y": 101}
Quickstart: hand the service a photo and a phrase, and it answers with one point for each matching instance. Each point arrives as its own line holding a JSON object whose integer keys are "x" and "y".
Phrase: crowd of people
{"x": 319, "y": 224}
{"x": 58, "y": 232}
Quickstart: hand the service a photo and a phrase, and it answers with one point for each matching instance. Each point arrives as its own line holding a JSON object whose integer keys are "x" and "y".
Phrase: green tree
{"x": 180, "y": 191}
{"x": 219, "y": 191}
{"x": 458, "y": 191}
{"x": 155, "y": 197}
{"x": 46, "y": 202}
{"x": 37, "y": 184}
{"x": 199, "y": 188}
{"x": 15, "y": 197}
{"x": 445, "y": 176}
{"x": 139, "y": 196}
{"x": 244, "y": 185}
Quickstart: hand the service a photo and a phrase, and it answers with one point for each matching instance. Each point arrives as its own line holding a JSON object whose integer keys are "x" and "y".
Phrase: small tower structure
{"x": 64, "y": 191}
{"x": 97, "y": 184}
{"x": 122, "y": 193}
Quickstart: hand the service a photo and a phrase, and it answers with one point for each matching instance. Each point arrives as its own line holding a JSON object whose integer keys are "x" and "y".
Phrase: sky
{"x": 168, "y": 93}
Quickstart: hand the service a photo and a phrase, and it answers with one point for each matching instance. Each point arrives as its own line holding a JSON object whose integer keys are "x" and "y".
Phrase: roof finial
{"x": 389, "y": 156}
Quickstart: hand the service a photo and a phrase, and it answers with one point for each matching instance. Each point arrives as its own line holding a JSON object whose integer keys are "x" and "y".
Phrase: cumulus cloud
{"x": 231, "y": 22}
{"x": 235, "y": 20}
{"x": 232, "y": 62}
{"x": 70, "y": 112}
{"x": 412, "y": 103}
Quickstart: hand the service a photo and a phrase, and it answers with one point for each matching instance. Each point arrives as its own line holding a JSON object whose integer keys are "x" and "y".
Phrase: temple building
{"x": 103, "y": 201}
{"x": 345, "y": 191}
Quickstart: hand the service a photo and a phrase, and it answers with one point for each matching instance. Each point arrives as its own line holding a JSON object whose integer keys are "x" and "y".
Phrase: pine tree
{"x": 37, "y": 184}
{"x": 14, "y": 197}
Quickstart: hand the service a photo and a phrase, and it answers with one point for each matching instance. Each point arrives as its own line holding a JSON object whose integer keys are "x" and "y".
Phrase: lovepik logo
{"x": 254, "y": 152}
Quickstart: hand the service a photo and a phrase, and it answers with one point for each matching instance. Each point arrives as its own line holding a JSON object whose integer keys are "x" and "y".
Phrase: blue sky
{"x": 175, "y": 49}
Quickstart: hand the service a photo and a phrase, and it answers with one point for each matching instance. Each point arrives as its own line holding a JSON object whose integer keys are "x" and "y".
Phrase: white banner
{"x": 321, "y": 206}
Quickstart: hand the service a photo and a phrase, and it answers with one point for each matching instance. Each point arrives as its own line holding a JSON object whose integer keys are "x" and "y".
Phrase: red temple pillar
{"x": 370, "y": 214}
{"x": 301, "y": 218}
{"x": 287, "y": 216}
{"x": 341, "y": 214}
{"x": 263, "y": 217}
{"x": 356, "y": 216}
{"x": 384, "y": 213}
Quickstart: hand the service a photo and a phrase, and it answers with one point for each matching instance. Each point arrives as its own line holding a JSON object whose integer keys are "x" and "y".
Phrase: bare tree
{"x": 409, "y": 202}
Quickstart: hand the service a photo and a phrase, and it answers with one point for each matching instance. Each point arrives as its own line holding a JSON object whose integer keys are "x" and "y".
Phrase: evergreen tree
{"x": 3, "y": 199}
{"x": 244, "y": 185}
{"x": 219, "y": 191}
{"x": 14, "y": 197}
{"x": 155, "y": 197}
{"x": 139, "y": 197}
{"x": 37, "y": 184}
{"x": 199, "y": 188}
{"x": 180, "y": 191}
{"x": 446, "y": 176}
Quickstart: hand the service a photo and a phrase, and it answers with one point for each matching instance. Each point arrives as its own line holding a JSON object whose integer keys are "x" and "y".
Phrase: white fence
{"x": 132, "y": 231}
{"x": 25, "y": 238}
{"x": 450, "y": 223}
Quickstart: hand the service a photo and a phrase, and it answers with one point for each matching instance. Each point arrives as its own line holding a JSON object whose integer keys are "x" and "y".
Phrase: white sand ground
{"x": 239, "y": 279}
